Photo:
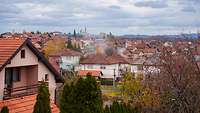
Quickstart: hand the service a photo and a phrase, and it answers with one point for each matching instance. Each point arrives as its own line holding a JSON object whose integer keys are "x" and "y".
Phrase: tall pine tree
{"x": 117, "y": 107}
{"x": 84, "y": 96}
{"x": 69, "y": 44}
{"x": 74, "y": 33}
{"x": 42, "y": 104}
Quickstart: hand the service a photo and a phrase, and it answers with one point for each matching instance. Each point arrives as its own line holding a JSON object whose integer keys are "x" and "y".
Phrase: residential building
{"x": 67, "y": 59}
{"x": 111, "y": 66}
{"x": 22, "y": 67}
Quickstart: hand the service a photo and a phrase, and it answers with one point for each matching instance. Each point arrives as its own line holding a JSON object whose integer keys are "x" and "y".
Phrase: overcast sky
{"x": 116, "y": 16}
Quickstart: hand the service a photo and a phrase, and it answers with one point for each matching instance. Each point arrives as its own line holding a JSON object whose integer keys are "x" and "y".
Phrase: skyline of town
{"x": 99, "y": 56}
{"x": 152, "y": 17}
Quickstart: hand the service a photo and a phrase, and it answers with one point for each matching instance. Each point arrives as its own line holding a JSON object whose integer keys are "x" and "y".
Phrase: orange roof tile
{"x": 92, "y": 72}
{"x": 24, "y": 104}
{"x": 8, "y": 48}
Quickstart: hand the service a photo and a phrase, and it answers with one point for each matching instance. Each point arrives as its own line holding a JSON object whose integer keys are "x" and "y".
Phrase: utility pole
{"x": 114, "y": 78}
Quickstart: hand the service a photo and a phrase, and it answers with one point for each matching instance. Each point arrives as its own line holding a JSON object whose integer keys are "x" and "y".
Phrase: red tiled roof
{"x": 67, "y": 52}
{"x": 96, "y": 73}
{"x": 24, "y": 104}
{"x": 8, "y": 48}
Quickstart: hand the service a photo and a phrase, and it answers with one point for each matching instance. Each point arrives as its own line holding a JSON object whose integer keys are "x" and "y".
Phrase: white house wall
{"x": 134, "y": 68}
{"x": 2, "y": 85}
{"x": 29, "y": 60}
{"x": 108, "y": 72}
{"x": 42, "y": 70}
{"x": 70, "y": 59}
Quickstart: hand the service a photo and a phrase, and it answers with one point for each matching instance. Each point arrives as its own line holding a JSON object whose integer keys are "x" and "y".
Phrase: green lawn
{"x": 110, "y": 90}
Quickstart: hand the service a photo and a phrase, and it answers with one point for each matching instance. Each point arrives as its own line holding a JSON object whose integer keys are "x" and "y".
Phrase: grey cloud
{"x": 114, "y": 7}
{"x": 189, "y": 1}
{"x": 109, "y": 17}
{"x": 152, "y": 4}
{"x": 189, "y": 9}
{"x": 9, "y": 8}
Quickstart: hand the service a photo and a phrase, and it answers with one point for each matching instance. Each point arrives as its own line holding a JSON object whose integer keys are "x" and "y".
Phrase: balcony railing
{"x": 20, "y": 91}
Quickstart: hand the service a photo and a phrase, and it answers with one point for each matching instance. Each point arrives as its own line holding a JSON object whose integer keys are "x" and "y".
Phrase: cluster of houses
{"x": 135, "y": 56}
{"x": 107, "y": 66}
{"x": 23, "y": 65}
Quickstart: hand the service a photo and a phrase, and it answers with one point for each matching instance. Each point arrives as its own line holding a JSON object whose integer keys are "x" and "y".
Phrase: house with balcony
{"x": 22, "y": 68}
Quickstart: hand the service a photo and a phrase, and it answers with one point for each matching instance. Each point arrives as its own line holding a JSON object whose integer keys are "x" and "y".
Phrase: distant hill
{"x": 181, "y": 36}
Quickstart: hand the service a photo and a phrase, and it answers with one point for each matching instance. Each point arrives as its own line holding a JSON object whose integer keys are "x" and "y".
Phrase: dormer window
{"x": 23, "y": 53}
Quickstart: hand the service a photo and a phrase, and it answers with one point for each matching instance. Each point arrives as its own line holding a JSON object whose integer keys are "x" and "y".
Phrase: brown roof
{"x": 103, "y": 59}
{"x": 116, "y": 59}
{"x": 67, "y": 52}
{"x": 94, "y": 59}
{"x": 24, "y": 104}
{"x": 149, "y": 50}
{"x": 9, "y": 47}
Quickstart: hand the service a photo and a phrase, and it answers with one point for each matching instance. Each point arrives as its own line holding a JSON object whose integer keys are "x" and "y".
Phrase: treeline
{"x": 84, "y": 96}
{"x": 117, "y": 107}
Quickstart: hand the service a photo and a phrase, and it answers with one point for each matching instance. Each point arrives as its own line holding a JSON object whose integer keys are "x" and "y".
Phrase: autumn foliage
{"x": 53, "y": 46}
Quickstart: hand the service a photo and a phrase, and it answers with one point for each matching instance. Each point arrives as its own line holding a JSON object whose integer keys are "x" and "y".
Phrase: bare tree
{"x": 178, "y": 82}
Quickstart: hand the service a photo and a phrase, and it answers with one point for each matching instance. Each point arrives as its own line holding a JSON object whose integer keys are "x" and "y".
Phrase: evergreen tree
{"x": 84, "y": 96}
{"x": 74, "y": 33}
{"x": 69, "y": 44}
{"x": 117, "y": 107}
{"x": 42, "y": 104}
{"x": 107, "y": 109}
{"x": 5, "y": 109}
{"x": 66, "y": 100}
{"x": 93, "y": 95}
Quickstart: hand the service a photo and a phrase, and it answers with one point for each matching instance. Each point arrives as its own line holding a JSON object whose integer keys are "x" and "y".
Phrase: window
{"x": 90, "y": 66}
{"x": 22, "y": 53}
{"x": 46, "y": 77}
{"x": 102, "y": 67}
{"x": 68, "y": 58}
{"x": 140, "y": 67}
{"x": 16, "y": 74}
